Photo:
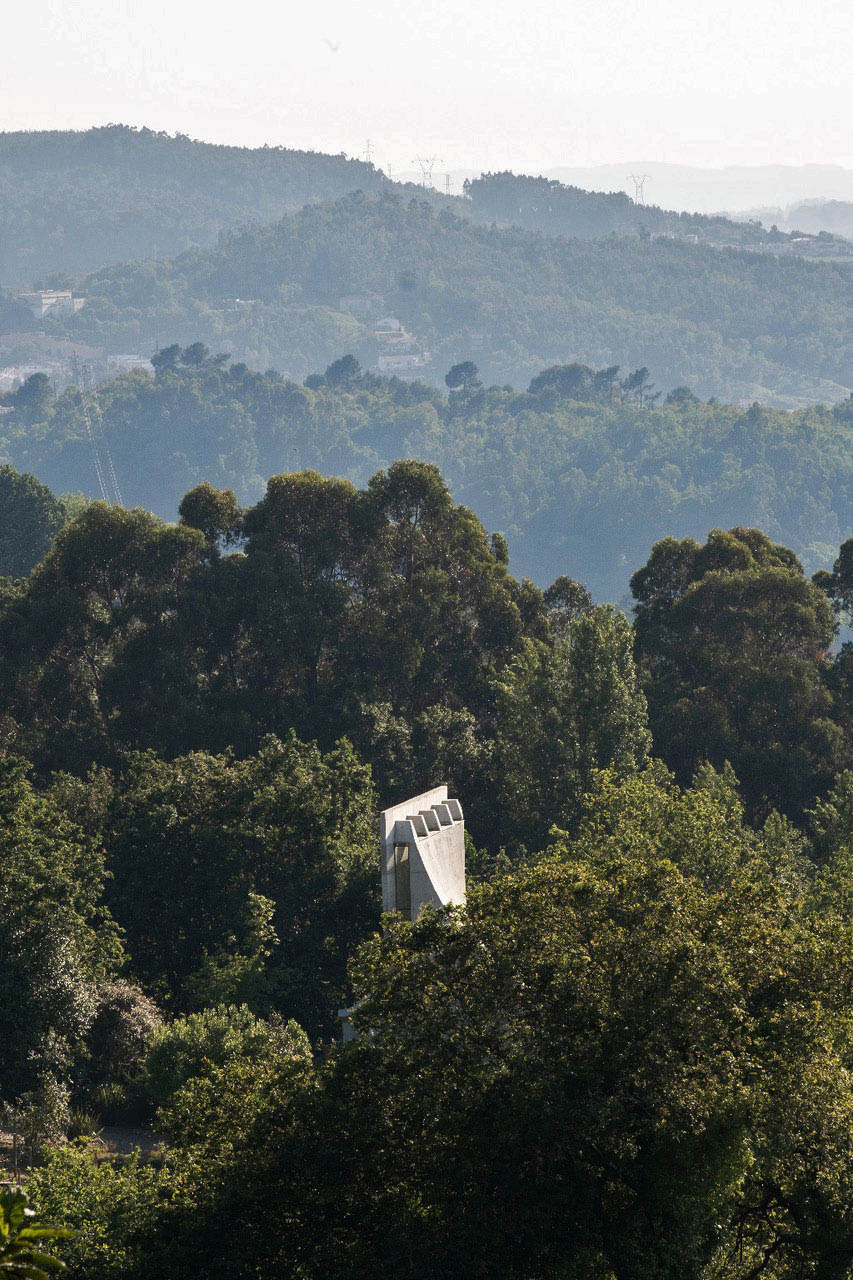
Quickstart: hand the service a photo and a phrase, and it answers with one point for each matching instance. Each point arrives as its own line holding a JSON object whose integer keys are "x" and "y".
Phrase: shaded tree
{"x": 733, "y": 642}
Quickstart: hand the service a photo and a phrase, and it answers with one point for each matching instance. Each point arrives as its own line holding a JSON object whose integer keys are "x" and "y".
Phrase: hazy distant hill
{"x": 737, "y": 325}
{"x": 812, "y": 216}
{"x": 737, "y": 187}
{"x": 72, "y": 201}
{"x": 740, "y": 188}
{"x": 543, "y": 204}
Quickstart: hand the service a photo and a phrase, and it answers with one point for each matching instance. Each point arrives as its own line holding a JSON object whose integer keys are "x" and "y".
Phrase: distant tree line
{"x": 582, "y": 472}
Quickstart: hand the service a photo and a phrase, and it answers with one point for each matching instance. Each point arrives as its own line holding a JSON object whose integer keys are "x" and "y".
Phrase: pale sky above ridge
{"x": 481, "y": 85}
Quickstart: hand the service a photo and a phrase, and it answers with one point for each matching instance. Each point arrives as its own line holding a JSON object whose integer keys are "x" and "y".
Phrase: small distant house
{"x": 127, "y": 363}
{"x": 387, "y": 325}
{"x": 401, "y": 362}
{"x": 58, "y": 301}
{"x": 13, "y": 375}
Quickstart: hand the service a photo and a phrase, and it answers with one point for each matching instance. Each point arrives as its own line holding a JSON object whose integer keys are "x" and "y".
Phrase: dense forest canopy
{"x": 582, "y": 473}
{"x": 638, "y": 1027}
{"x": 728, "y": 323}
{"x": 30, "y": 518}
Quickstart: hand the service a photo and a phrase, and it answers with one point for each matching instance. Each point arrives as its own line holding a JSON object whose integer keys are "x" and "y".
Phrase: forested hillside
{"x": 582, "y": 472}
{"x": 242, "y": 612}
{"x": 180, "y": 241}
{"x": 725, "y": 322}
{"x": 542, "y": 204}
{"x": 73, "y": 201}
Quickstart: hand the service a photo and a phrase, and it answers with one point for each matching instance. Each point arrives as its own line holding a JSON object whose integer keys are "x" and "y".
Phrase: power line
{"x": 93, "y": 440}
{"x": 113, "y": 475}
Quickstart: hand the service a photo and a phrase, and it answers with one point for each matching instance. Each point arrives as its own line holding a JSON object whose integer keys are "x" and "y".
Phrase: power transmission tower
{"x": 639, "y": 181}
{"x": 427, "y": 164}
{"x": 447, "y": 184}
{"x": 368, "y": 153}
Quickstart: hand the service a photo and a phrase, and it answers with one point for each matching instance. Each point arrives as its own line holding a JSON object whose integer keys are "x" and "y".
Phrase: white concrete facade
{"x": 423, "y": 853}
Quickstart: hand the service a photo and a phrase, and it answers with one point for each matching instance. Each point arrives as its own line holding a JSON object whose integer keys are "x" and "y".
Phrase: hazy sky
{"x": 482, "y": 83}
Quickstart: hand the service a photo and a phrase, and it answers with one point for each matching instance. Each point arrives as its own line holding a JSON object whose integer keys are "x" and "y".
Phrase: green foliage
{"x": 112, "y": 1207}
{"x": 22, "y": 1239}
{"x": 563, "y": 712}
{"x": 134, "y": 634}
{"x": 588, "y": 1070}
{"x": 30, "y": 518}
{"x": 118, "y": 1040}
{"x": 57, "y": 940}
{"x": 248, "y": 1071}
{"x": 200, "y": 1042}
{"x": 627, "y": 1057}
{"x": 245, "y": 880}
{"x": 733, "y": 641}
{"x": 595, "y": 1047}
{"x": 39, "y": 1118}
{"x": 582, "y": 480}
{"x": 109, "y": 574}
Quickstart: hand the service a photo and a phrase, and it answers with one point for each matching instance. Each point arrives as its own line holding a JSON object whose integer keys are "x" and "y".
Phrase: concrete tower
{"x": 423, "y": 853}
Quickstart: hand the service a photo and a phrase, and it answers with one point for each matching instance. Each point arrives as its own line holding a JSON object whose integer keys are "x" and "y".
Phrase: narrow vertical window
{"x": 402, "y": 882}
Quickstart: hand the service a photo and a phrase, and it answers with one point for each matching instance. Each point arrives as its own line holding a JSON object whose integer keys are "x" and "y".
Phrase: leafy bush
{"x": 121, "y": 1033}
{"x": 194, "y": 1045}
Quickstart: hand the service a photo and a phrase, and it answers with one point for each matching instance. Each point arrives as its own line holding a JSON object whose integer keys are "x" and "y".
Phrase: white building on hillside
{"x": 59, "y": 301}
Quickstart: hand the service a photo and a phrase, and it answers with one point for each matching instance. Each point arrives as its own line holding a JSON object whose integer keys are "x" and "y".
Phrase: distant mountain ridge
{"x": 834, "y": 217}
{"x": 695, "y": 189}
{"x": 74, "y": 201}
{"x": 549, "y": 206}
{"x": 71, "y": 202}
